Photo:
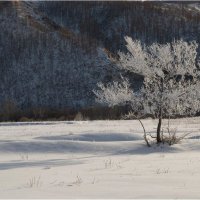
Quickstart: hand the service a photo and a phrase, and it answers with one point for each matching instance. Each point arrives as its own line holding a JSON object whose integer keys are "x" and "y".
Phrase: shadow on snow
{"x": 97, "y": 137}
{"x": 62, "y": 144}
{"x": 43, "y": 163}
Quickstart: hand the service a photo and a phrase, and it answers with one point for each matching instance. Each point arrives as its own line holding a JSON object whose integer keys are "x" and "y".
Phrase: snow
{"x": 97, "y": 159}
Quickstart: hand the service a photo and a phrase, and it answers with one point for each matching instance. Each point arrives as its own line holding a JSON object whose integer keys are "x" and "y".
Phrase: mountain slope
{"x": 52, "y": 53}
{"x": 40, "y": 65}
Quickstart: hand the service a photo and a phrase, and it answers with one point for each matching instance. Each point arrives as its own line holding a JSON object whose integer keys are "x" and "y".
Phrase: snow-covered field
{"x": 97, "y": 159}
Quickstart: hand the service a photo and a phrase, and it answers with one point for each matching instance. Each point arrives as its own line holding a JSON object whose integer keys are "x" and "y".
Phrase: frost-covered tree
{"x": 170, "y": 81}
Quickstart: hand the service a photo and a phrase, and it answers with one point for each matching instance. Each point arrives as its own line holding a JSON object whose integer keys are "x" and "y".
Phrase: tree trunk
{"x": 158, "y": 137}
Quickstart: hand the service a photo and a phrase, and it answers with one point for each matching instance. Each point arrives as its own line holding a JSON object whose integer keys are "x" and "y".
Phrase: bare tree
{"x": 170, "y": 81}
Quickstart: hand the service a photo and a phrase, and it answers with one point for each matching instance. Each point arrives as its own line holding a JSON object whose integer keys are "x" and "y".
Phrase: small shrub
{"x": 62, "y": 118}
{"x": 173, "y": 138}
{"x": 108, "y": 163}
{"x": 34, "y": 182}
{"x": 39, "y": 113}
{"x": 79, "y": 117}
{"x": 9, "y": 111}
{"x": 25, "y": 119}
{"x": 78, "y": 181}
{"x": 162, "y": 171}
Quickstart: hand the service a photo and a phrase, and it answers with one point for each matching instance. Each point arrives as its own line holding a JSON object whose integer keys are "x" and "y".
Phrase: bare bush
{"x": 173, "y": 138}
{"x": 34, "y": 182}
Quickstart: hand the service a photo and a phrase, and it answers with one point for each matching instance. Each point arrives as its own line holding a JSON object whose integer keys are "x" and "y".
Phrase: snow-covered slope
{"x": 97, "y": 159}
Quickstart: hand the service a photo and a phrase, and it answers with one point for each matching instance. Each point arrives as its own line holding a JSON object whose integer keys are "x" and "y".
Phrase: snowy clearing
{"x": 97, "y": 159}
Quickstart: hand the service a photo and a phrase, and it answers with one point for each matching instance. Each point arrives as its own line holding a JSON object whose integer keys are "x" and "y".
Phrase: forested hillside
{"x": 54, "y": 53}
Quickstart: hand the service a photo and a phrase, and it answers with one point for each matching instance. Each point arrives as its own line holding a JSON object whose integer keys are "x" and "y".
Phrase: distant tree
{"x": 170, "y": 81}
